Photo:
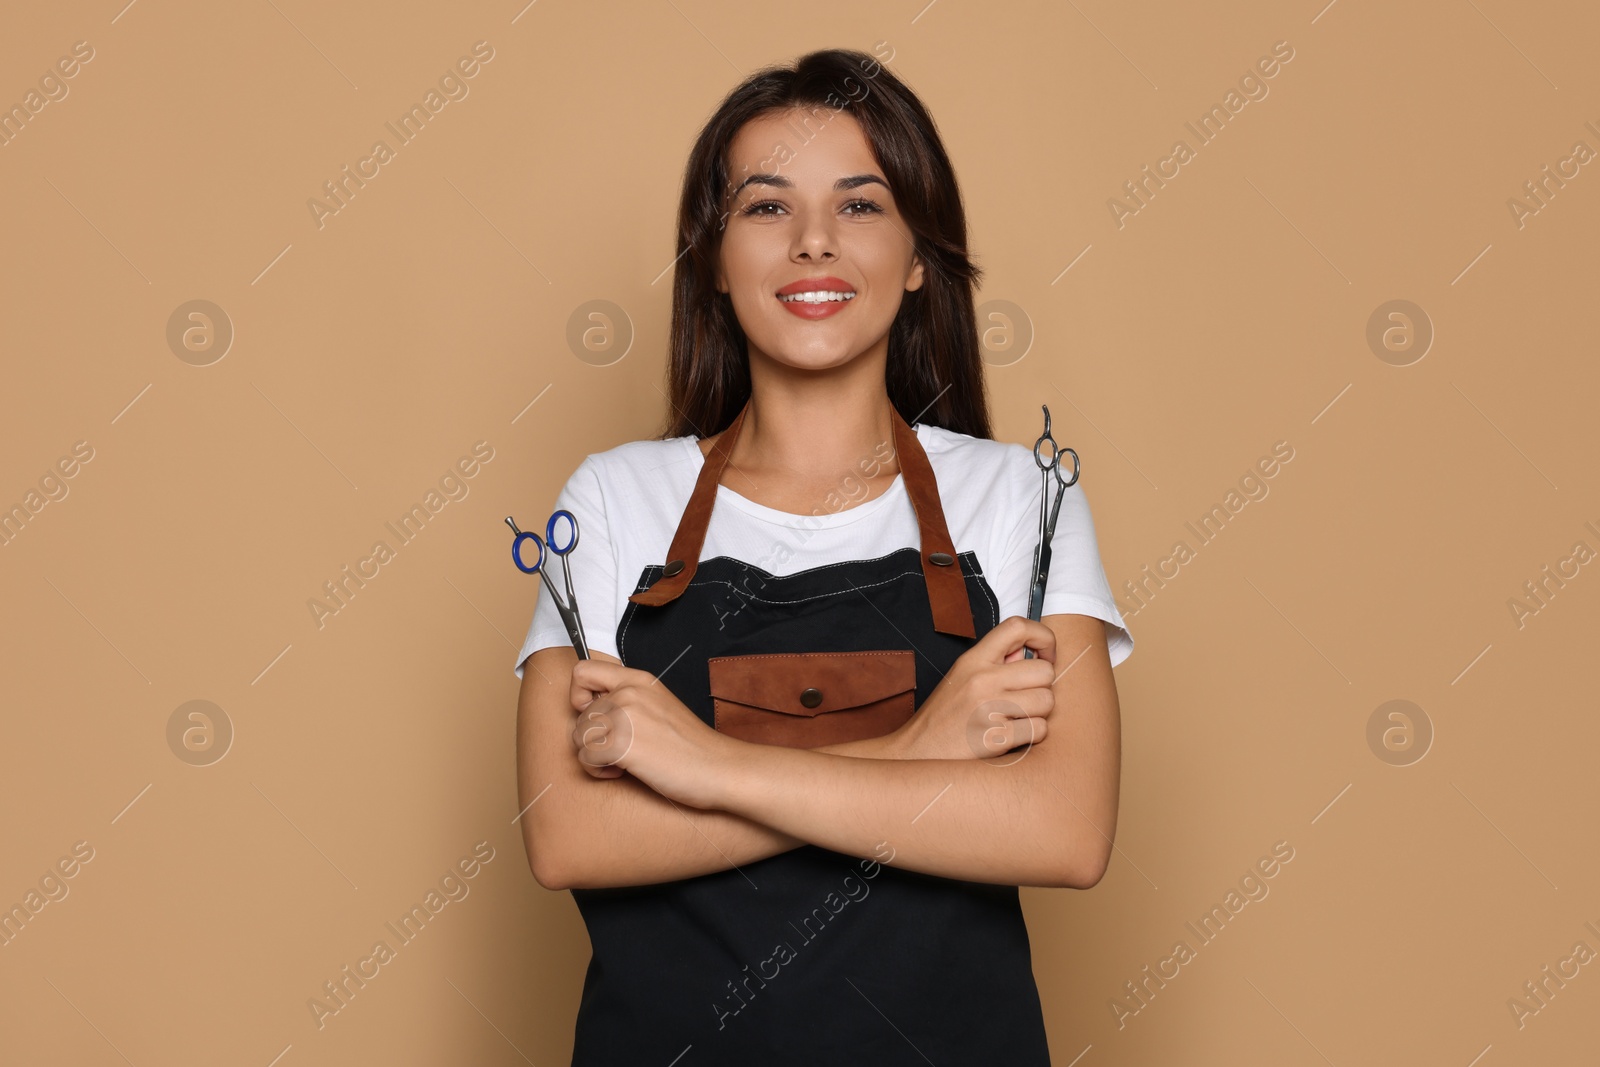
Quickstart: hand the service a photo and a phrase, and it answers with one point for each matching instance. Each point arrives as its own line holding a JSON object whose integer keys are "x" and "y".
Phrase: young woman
{"x": 796, "y": 787}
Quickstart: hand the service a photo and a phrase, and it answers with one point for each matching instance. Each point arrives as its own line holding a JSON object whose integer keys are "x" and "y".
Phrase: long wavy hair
{"x": 934, "y": 372}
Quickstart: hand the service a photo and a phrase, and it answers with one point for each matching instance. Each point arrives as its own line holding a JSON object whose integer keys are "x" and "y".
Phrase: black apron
{"x": 809, "y": 957}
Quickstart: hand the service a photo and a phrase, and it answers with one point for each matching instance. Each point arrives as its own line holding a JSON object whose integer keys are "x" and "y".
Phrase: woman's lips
{"x": 820, "y": 310}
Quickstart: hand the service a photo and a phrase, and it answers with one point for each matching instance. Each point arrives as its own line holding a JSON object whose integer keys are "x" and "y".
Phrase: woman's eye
{"x": 854, "y": 207}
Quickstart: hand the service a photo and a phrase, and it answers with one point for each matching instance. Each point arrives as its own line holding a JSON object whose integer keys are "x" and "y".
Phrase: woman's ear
{"x": 914, "y": 281}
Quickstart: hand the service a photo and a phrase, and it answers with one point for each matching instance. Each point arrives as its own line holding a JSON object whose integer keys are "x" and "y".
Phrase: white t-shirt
{"x": 628, "y": 502}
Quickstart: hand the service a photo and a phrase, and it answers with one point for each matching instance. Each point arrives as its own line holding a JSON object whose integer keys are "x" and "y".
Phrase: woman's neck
{"x": 810, "y": 450}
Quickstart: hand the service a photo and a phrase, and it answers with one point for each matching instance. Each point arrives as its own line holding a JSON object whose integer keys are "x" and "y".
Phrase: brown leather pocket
{"x": 806, "y": 699}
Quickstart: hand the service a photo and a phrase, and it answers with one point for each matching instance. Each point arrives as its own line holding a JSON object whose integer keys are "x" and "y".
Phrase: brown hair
{"x": 934, "y": 372}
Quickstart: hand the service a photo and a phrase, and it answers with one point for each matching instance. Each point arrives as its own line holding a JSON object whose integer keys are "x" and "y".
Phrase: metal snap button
{"x": 943, "y": 559}
{"x": 811, "y": 697}
{"x": 672, "y": 567}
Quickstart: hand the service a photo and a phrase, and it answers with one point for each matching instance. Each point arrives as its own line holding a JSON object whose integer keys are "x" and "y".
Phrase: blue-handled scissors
{"x": 1047, "y": 516}
{"x": 569, "y": 607}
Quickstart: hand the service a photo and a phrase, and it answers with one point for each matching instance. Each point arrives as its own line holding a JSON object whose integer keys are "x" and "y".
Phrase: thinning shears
{"x": 1048, "y": 513}
{"x": 568, "y": 607}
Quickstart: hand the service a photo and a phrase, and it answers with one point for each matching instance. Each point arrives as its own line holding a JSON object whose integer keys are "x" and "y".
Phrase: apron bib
{"x": 811, "y": 956}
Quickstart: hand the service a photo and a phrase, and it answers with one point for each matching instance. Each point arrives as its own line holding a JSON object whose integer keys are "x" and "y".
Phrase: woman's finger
{"x": 1028, "y": 731}
{"x": 1019, "y": 704}
{"x": 603, "y": 736}
{"x": 1006, "y": 641}
{"x": 1016, "y": 732}
{"x": 593, "y": 678}
{"x": 590, "y": 679}
{"x": 1036, "y": 673}
{"x": 1042, "y": 640}
{"x": 1000, "y": 735}
{"x": 1030, "y": 703}
{"x": 589, "y": 727}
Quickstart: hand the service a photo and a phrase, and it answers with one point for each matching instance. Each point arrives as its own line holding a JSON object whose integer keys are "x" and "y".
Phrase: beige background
{"x": 1231, "y": 312}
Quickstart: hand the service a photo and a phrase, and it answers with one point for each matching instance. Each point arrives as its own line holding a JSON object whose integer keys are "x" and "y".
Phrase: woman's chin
{"x": 813, "y": 359}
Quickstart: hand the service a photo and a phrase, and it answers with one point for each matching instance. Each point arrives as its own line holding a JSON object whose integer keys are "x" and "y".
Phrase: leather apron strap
{"x": 947, "y": 588}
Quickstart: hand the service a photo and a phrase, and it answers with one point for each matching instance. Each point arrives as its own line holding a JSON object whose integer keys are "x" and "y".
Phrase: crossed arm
{"x": 1045, "y": 815}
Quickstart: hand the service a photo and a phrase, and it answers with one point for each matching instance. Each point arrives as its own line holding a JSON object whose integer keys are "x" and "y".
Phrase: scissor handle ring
{"x": 1055, "y": 452}
{"x": 550, "y": 532}
{"x": 516, "y": 552}
{"x": 1077, "y": 468}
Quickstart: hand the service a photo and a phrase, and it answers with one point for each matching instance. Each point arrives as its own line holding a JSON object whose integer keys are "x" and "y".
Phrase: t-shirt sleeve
{"x": 1077, "y": 582}
{"x": 594, "y": 571}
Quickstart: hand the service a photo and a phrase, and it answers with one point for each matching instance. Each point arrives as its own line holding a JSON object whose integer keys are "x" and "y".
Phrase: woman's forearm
{"x": 620, "y": 832}
{"x": 585, "y": 832}
{"x": 1040, "y": 816}
{"x": 1045, "y": 816}
{"x": 979, "y": 820}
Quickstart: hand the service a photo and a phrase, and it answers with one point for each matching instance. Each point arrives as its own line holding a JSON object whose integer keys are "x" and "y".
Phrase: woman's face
{"x": 812, "y": 215}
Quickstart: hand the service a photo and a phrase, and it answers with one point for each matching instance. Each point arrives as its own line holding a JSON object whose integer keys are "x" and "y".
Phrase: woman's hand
{"x": 991, "y": 701}
{"x": 628, "y": 721}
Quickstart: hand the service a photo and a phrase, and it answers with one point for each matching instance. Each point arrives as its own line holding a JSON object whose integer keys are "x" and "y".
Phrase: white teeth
{"x": 817, "y": 296}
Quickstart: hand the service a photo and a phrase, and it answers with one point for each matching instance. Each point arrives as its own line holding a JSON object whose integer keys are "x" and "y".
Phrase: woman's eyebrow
{"x": 781, "y": 182}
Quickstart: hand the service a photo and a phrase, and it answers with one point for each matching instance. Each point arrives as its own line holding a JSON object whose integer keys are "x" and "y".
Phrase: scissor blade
{"x": 569, "y": 608}
{"x": 1055, "y": 513}
{"x": 1041, "y": 577}
{"x": 575, "y": 632}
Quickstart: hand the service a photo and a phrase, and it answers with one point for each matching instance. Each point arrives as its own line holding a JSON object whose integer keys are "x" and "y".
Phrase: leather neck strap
{"x": 947, "y": 589}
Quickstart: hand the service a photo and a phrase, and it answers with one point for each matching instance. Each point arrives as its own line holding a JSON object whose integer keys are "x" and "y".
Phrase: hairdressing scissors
{"x": 569, "y": 607}
{"x": 1047, "y": 515}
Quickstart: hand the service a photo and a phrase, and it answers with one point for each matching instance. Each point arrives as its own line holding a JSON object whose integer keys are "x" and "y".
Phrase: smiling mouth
{"x": 817, "y": 296}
